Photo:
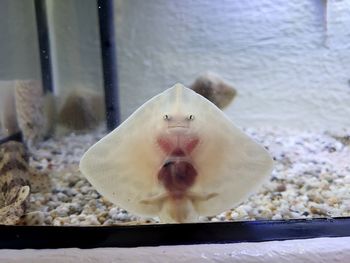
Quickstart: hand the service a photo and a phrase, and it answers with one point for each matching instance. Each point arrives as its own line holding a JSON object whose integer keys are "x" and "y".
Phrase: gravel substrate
{"x": 311, "y": 178}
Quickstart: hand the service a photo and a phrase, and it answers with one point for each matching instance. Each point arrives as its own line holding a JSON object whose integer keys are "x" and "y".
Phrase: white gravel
{"x": 311, "y": 179}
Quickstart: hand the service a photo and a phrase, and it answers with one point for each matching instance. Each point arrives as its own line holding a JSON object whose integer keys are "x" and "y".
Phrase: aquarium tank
{"x": 132, "y": 112}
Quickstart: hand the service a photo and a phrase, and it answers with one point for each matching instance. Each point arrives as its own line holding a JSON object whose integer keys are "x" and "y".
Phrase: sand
{"x": 311, "y": 179}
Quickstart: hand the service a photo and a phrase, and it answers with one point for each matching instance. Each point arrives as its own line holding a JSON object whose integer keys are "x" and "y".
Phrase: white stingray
{"x": 177, "y": 157}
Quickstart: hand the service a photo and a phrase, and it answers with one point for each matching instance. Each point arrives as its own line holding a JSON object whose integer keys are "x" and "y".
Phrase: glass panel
{"x": 277, "y": 70}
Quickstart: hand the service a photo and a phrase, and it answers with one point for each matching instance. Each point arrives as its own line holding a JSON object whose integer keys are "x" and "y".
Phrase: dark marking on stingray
{"x": 11, "y": 165}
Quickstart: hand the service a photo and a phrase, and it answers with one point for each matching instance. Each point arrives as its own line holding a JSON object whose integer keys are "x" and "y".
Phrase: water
{"x": 286, "y": 62}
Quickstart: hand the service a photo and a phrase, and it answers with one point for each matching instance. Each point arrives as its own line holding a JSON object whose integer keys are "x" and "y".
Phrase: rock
{"x": 8, "y": 117}
{"x": 36, "y": 218}
{"x": 82, "y": 110}
{"x": 31, "y": 118}
{"x": 214, "y": 89}
{"x": 281, "y": 188}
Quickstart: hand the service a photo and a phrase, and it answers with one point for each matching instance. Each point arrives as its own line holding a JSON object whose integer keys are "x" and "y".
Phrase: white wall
{"x": 19, "y": 52}
{"x": 75, "y": 45}
{"x": 289, "y": 60}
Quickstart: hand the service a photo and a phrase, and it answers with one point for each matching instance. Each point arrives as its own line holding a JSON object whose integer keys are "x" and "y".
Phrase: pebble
{"x": 281, "y": 188}
{"x": 36, "y": 218}
{"x": 277, "y": 217}
{"x": 91, "y": 220}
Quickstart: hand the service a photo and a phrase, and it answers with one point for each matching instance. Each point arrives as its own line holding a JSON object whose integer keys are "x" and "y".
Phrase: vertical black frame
{"x": 44, "y": 44}
{"x": 108, "y": 53}
{"x": 109, "y": 61}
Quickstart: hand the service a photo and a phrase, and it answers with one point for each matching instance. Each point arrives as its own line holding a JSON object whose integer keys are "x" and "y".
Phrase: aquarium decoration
{"x": 26, "y": 109}
{"x": 17, "y": 180}
{"x": 8, "y": 118}
{"x": 177, "y": 157}
{"x": 32, "y": 119}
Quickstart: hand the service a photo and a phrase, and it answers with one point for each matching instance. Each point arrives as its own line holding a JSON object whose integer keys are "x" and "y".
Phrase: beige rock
{"x": 8, "y": 118}
{"x": 83, "y": 109}
{"x": 16, "y": 180}
{"x": 31, "y": 117}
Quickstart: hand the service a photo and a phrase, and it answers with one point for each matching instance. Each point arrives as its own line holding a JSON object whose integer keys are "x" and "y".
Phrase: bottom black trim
{"x": 13, "y": 137}
{"x": 40, "y": 237}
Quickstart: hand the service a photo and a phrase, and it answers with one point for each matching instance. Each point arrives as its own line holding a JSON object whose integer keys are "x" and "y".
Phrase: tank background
{"x": 19, "y": 51}
{"x": 75, "y": 45}
{"x": 74, "y": 41}
{"x": 289, "y": 60}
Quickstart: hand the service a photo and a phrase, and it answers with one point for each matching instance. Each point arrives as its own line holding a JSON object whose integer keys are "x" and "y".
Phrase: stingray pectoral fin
{"x": 121, "y": 175}
{"x": 123, "y": 165}
{"x": 230, "y": 164}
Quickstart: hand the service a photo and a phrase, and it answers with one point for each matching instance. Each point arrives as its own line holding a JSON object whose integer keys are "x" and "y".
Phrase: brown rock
{"x": 213, "y": 88}
{"x": 82, "y": 110}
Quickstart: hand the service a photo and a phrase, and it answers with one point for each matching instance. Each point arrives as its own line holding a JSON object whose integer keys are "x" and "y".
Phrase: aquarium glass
{"x": 73, "y": 70}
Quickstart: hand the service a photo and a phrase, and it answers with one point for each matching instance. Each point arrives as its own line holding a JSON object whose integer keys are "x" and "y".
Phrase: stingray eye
{"x": 166, "y": 117}
{"x": 191, "y": 117}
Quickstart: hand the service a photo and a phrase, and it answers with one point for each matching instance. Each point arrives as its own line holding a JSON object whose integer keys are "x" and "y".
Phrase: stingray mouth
{"x": 179, "y": 126}
{"x": 178, "y": 129}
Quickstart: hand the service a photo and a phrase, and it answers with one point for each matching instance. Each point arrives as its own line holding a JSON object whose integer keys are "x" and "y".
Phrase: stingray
{"x": 177, "y": 157}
